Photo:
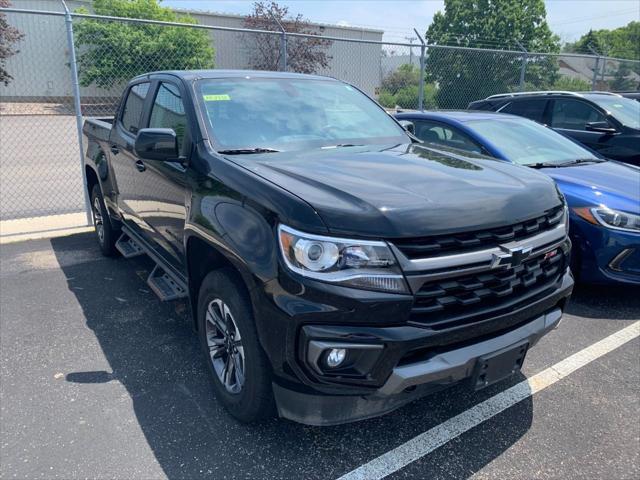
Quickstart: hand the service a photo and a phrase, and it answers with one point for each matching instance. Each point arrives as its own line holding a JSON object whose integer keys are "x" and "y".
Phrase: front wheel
{"x": 105, "y": 233}
{"x": 237, "y": 364}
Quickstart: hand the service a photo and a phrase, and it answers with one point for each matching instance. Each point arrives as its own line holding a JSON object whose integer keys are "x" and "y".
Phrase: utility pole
{"x": 423, "y": 51}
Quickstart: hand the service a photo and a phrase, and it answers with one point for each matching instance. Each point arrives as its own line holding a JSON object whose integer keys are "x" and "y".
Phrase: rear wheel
{"x": 105, "y": 233}
{"x": 237, "y": 364}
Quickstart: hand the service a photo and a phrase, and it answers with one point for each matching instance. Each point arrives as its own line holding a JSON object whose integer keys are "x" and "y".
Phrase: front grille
{"x": 470, "y": 298}
{"x": 464, "y": 242}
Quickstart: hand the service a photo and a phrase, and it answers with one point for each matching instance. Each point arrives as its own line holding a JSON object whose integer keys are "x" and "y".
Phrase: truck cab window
{"x": 168, "y": 112}
{"x": 133, "y": 107}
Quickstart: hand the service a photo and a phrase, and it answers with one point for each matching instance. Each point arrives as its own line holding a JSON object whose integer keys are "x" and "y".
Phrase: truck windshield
{"x": 266, "y": 114}
{"x": 625, "y": 110}
{"x": 528, "y": 143}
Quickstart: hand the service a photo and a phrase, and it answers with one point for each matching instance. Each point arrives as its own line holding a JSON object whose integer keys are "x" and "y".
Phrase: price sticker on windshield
{"x": 216, "y": 98}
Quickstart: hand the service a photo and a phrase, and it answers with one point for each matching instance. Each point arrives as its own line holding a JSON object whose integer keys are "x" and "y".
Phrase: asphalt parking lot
{"x": 99, "y": 379}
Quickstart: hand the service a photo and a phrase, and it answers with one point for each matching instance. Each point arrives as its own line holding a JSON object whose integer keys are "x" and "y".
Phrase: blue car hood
{"x": 613, "y": 184}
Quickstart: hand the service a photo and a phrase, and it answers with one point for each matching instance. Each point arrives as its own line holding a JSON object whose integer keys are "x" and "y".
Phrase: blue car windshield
{"x": 625, "y": 110}
{"x": 527, "y": 143}
{"x": 291, "y": 114}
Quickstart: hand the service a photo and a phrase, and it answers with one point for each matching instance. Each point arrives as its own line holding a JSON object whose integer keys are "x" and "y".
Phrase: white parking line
{"x": 430, "y": 440}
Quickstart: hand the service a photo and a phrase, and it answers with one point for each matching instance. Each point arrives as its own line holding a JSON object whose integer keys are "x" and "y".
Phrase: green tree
{"x": 8, "y": 37}
{"x": 111, "y": 52}
{"x": 588, "y": 43}
{"x": 462, "y": 75}
{"x": 623, "y": 42}
{"x": 401, "y": 89}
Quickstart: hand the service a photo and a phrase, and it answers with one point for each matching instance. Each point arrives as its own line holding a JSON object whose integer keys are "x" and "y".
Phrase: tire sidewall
{"x": 108, "y": 242}
{"x": 244, "y": 405}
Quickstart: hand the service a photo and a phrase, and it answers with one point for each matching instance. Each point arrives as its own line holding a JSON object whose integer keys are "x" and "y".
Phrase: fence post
{"x": 595, "y": 69}
{"x": 423, "y": 50}
{"x": 283, "y": 42}
{"x": 76, "y": 102}
{"x": 523, "y": 66}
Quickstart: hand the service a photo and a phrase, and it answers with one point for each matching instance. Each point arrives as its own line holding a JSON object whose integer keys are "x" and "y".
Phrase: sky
{"x": 567, "y": 18}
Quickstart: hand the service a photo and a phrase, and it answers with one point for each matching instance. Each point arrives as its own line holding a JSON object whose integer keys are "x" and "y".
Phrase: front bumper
{"x": 606, "y": 255}
{"x": 410, "y": 362}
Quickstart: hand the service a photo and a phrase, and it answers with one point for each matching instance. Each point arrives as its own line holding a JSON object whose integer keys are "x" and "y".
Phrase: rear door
{"x": 123, "y": 158}
{"x": 570, "y": 117}
{"x": 531, "y": 108}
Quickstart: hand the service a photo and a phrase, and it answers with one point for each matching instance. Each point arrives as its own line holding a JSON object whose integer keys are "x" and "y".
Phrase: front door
{"x": 570, "y": 116}
{"x": 163, "y": 187}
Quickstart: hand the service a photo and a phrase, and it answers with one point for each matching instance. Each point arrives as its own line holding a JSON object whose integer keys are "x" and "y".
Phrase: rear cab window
{"x": 133, "y": 107}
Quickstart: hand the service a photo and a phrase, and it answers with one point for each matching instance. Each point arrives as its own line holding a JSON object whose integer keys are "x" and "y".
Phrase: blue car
{"x": 603, "y": 195}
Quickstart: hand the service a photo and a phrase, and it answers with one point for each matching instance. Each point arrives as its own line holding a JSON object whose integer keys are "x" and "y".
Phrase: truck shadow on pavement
{"x": 153, "y": 352}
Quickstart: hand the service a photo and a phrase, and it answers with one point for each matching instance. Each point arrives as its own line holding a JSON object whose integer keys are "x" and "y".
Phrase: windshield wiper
{"x": 579, "y": 161}
{"x": 241, "y": 151}
{"x": 339, "y": 145}
{"x": 564, "y": 164}
{"x": 542, "y": 165}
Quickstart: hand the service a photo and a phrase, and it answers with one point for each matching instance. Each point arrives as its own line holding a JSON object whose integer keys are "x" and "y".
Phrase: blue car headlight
{"x": 607, "y": 217}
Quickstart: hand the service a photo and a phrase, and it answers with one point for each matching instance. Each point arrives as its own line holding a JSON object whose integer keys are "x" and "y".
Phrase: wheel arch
{"x": 92, "y": 178}
{"x": 203, "y": 257}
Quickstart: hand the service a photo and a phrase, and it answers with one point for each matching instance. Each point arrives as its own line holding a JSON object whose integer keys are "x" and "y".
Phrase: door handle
{"x": 140, "y": 166}
{"x": 114, "y": 149}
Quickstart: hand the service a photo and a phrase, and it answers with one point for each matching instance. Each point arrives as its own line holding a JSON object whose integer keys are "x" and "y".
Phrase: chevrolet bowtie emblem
{"x": 510, "y": 257}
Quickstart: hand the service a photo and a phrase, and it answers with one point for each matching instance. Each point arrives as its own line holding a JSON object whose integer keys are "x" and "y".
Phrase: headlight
{"x": 362, "y": 264}
{"x": 614, "y": 219}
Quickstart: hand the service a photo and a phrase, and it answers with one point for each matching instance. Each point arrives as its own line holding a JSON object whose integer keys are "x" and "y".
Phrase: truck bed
{"x": 98, "y": 128}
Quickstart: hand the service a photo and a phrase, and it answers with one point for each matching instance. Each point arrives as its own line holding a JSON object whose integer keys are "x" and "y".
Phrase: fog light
{"x": 336, "y": 357}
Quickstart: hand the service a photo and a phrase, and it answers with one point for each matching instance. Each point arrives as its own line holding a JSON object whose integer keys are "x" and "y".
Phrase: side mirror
{"x": 408, "y": 126}
{"x": 157, "y": 144}
{"x": 602, "y": 127}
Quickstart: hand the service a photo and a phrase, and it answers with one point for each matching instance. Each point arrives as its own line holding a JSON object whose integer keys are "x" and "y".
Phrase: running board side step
{"x": 128, "y": 247}
{"x": 165, "y": 286}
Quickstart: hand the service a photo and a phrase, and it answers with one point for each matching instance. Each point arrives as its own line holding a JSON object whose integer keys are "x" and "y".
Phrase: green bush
{"x": 111, "y": 52}
{"x": 401, "y": 89}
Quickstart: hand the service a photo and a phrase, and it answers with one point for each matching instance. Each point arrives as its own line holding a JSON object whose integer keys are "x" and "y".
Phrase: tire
{"x": 223, "y": 304}
{"x": 576, "y": 263}
{"x": 105, "y": 233}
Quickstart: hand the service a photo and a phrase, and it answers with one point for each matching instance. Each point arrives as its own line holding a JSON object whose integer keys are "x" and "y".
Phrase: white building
{"x": 41, "y": 70}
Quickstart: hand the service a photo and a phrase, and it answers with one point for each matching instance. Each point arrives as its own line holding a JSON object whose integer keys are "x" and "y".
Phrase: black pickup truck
{"x": 335, "y": 267}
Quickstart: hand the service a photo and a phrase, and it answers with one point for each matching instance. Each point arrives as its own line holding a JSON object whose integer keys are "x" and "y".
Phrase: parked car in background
{"x": 605, "y": 122}
{"x": 603, "y": 196}
{"x": 336, "y": 268}
{"x": 634, "y": 95}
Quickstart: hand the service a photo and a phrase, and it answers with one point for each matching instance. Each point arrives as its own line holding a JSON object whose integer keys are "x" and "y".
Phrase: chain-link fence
{"x": 40, "y": 171}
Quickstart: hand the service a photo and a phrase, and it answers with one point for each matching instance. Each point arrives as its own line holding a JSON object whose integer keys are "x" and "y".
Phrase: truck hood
{"x": 613, "y": 184}
{"x": 406, "y": 190}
